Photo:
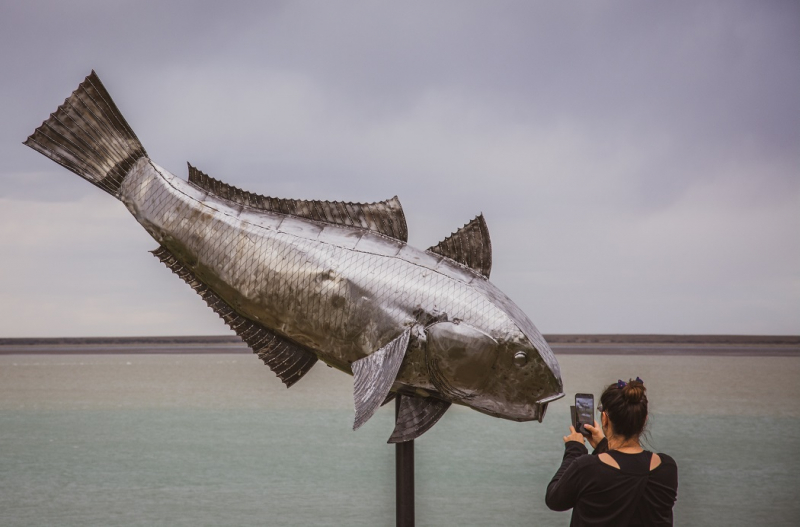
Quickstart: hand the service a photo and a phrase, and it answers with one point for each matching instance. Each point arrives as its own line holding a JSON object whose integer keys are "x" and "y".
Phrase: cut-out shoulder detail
{"x": 608, "y": 460}
{"x": 655, "y": 461}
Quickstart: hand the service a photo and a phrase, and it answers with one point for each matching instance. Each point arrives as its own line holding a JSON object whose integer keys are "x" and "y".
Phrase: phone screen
{"x": 584, "y": 411}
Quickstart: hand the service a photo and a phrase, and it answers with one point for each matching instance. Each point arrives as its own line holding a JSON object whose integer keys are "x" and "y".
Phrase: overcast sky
{"x": 638, "y": 163}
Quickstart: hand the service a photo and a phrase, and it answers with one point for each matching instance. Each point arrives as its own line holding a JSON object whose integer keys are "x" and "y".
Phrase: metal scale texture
{"x": 302, "y": 281}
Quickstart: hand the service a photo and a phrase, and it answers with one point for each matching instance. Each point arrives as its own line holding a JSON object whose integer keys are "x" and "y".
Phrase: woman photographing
{"x": 620, "y": 483}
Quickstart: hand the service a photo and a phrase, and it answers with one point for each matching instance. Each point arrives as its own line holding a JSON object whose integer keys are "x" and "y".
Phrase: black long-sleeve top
{"x": 600, "y": 494}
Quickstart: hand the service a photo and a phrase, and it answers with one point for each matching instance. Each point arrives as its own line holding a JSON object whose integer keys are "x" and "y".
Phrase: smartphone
{"x": 584, "y": 412}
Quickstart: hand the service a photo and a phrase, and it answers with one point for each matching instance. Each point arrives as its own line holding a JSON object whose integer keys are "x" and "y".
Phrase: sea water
{"x": 180, "y": 440}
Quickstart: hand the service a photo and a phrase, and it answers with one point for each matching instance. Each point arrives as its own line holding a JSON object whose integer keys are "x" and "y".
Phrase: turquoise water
{"x": 215, "y": 440}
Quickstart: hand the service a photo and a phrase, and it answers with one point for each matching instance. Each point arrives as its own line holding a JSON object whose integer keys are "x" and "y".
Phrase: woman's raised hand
{"x": 597, "y": 434}
{"x": 574, "y": 436}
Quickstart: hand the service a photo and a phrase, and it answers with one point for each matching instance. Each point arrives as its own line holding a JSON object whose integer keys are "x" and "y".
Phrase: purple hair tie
{"x": 622, "y": 384}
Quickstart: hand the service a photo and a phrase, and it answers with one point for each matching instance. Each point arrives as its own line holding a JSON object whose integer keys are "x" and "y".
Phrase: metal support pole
{"x": 404, "y": 477}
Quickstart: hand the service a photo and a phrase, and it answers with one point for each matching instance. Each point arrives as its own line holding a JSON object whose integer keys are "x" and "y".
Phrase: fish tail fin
{"x": 88, "y": 135}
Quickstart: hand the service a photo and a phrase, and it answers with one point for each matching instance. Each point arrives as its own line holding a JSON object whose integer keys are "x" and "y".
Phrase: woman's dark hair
{"x": 626, "y": 407}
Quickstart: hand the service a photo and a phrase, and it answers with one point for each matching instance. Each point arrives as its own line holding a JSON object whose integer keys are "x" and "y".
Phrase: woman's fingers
{"x": 597, "y": 434}
{"x": 573, "y": 435}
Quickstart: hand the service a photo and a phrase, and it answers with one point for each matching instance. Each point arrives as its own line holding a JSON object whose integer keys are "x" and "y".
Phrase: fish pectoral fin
{"x": 288, "y": 360}
{"x": 374, "y": 375}
{"x": 385, "y": 217}
{"x": 470, "y": 245}
{"x": 416, "y": 416}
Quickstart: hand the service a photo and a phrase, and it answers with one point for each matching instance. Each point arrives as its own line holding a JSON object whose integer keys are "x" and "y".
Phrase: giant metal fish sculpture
{"x": 301, "y": 281}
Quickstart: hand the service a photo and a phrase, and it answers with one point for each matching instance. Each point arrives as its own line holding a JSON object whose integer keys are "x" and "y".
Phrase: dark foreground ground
{"x": 562, "y": 344}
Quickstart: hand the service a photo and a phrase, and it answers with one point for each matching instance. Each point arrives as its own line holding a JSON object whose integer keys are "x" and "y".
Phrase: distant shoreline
{"x": 562, "y": 344}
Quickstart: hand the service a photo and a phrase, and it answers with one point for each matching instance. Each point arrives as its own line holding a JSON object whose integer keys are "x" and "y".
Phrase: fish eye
{"x": 520, "y": 358}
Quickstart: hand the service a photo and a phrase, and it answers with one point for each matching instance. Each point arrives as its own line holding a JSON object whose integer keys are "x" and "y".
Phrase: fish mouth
{"x": 550, "y": 398}
{"x": 541, "y": 405}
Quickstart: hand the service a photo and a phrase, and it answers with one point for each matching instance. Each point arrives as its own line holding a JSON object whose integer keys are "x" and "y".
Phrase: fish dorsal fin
{"x": 416, "y": 416}
{"x": 288, "y": 360}
{"x": 385, "y": 217}
{"x": 374, "y": 375}
{"x": 470, "y": 245}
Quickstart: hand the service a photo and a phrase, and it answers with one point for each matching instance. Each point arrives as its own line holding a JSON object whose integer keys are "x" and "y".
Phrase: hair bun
{"x": 634, "y": 392}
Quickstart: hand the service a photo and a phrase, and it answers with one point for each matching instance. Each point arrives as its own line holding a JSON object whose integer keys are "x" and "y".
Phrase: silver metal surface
{"x": 332, "y": 280}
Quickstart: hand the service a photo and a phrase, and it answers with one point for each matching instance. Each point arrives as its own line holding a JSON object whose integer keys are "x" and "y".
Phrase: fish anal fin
{"x": 470, "y": 245}
{"x": 416, "y": 416}
{"x": 374, "y": 375}
{"x": 287, "y": 359}
{"x": 385, "y": 217}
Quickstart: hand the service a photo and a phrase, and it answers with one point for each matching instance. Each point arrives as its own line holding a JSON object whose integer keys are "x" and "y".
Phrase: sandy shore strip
{"x": 708, "y": 345}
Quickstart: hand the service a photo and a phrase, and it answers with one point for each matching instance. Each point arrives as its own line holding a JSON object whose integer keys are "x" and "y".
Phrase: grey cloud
{"x": 625, "y": 154}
